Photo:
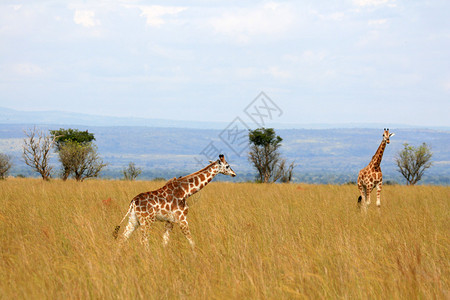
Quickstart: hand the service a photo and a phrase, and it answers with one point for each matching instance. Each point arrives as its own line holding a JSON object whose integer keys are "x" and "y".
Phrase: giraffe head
{"x": 224, "y": 167}
{"x": 387, "y": 135}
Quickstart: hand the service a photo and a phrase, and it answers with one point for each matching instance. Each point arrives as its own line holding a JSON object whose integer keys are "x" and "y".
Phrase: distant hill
{"x": 11, "y": 116}
{"x": 321, "y": 155}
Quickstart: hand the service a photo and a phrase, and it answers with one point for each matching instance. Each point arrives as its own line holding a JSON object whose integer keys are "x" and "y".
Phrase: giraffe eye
{"x": 228, "y": 167}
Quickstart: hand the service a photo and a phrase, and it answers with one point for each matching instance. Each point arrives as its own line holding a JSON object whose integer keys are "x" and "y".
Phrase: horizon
{"x": 360, "y": 61}
{"x": 325, "y": 156}
{"x": 66, "y": 118}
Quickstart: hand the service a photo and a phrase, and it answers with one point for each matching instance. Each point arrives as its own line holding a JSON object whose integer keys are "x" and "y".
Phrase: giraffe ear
{"x": 391, "y": 134}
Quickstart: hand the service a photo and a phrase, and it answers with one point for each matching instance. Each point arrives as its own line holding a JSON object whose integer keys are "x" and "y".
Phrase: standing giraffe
{"x": 371, "y": 175}
{"x": 168, "y": 204}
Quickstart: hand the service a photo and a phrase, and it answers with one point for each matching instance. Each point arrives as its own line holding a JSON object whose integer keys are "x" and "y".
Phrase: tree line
{"x": 80, "y": 160}
{"x": 76, "y": 152}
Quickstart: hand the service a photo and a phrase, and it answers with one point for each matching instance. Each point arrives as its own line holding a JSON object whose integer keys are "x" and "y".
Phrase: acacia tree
{"x": 81, "y": 160}
{"x": 266, "y": 158}
{"x": 412, "y": 162}
{"x": 286, "y": 172}
{"x": 131, "y": 172}
{"x": 36, "y": 151}
{"x": 5, "y": 165}
{"x": 64, "y": 136}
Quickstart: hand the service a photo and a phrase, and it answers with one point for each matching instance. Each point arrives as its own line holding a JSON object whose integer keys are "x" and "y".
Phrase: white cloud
{"x": 172, "y": 53}
{"x": 335, "y": 16}
{"x": 274, "y": 72}
{"x": 269, "y": 20}
{"x": 247, "y": 72}
{"x": 446, "y": 85}
{"x": 371, "y": 37}
{"x": 85, "y": 18}
{"x": 17, "y": 6}
{"x": 291, "y": 58}
{"x": 27, "y": 69}
{"x": 155, "y": 13}
{"x": 313, "y": 56}
{"x": 378, "y": 22}
{"x": 278, "y": 73}
{"x": 307, "y": 56}
{"x": 350, "y": 48}
{"x": 373, "y": 2}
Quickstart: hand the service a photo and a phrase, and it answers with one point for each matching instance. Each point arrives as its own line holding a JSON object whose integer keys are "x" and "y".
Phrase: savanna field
{"x": 253, "y": 241}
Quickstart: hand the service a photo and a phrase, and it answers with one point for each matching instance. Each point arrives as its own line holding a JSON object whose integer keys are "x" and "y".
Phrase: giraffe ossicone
{"x": 168, "y": 203}
{"x": 371, "y": 176}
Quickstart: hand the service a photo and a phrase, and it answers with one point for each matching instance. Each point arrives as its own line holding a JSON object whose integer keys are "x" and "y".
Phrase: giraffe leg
{"x": 146, "y": 231}
{"x": 362, "y": 197}
{"x": 145, "y": 235}
{"x": 368, "y": 191}
{"x": 169, "y": 227}
{"x": 187, "y": 233}
{"x": 131, "y": 226}
{"x": 379, "y": 194}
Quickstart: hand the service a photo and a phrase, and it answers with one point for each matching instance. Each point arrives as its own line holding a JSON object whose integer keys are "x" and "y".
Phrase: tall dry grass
{"x": 253, "y": 241}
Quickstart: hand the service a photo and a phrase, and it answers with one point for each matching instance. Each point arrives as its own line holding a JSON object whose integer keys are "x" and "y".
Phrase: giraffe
{"x": 168, "y": 204}
{"x": 371, "y": 175}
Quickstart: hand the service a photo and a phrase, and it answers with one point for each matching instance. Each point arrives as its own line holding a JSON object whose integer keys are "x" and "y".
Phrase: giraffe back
{"x": 164, "y": 204}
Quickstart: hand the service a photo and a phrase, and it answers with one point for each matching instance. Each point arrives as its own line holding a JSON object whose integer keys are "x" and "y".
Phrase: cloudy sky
{"x": 364, "y": 61}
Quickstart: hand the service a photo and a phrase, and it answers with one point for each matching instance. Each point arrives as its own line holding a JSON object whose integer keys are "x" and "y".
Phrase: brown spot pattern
{"x": 168, "y": 203}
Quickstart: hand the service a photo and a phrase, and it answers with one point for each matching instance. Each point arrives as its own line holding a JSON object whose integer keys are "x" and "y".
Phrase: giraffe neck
{"x": 198, "y": 180}
{"x": 376, "y": 159}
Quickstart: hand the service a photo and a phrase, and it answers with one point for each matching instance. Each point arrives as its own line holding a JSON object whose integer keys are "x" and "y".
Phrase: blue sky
{"x": 360, "y": 61}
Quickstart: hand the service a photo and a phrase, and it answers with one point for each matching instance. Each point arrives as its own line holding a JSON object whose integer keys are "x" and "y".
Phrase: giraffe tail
{"x": 116, "y": 231}
{"x": 359, "y": 199}
{"x": 117, "y": 228}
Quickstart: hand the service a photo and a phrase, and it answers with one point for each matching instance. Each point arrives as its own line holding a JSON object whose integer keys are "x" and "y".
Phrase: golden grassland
{"x": 253, "y": 241}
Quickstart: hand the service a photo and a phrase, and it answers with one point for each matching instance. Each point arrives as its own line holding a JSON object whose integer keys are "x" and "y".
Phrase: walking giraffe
{"x": 371, "y": 175}
{"x": 168, "y": 204}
